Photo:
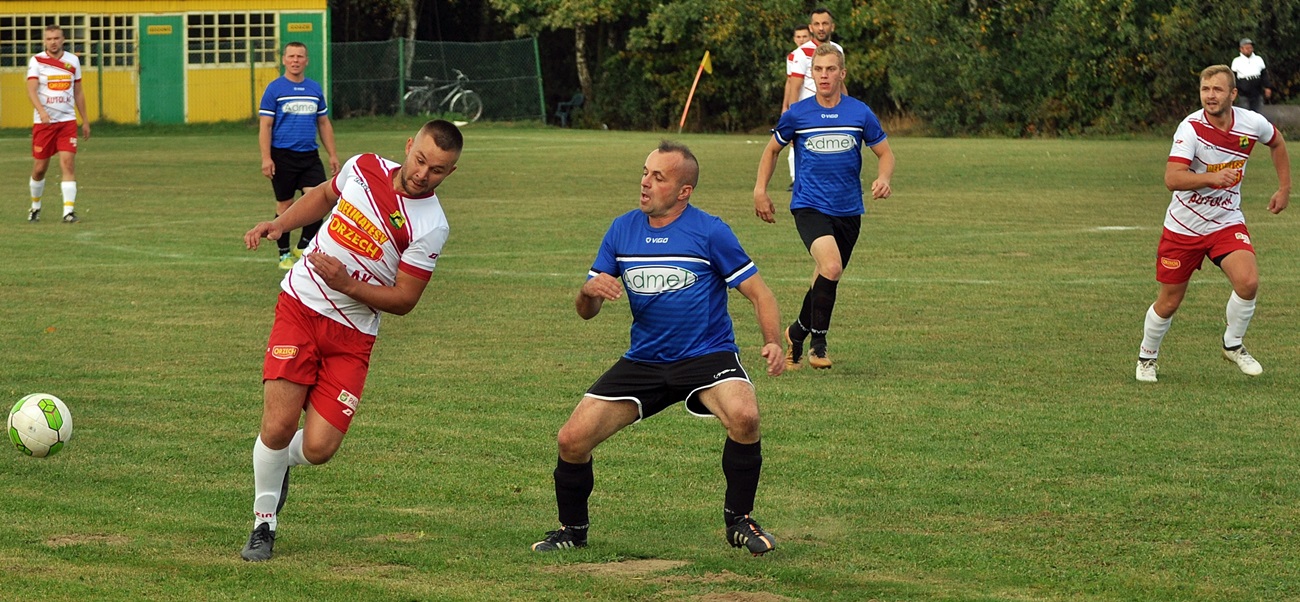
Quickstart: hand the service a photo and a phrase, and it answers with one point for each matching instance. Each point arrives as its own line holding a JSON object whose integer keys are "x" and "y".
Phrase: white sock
{"x": 269, "y": 466}
{"x": 296, "y": 457}
{"x": 69, "y": 196}
{"x": 1240, "y": 311}
{"x": 37, "y": 188}
{"x": 1153, "y": 333}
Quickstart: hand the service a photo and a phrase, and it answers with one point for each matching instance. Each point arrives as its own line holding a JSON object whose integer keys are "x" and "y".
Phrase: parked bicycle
{"x": 452, "y": 98}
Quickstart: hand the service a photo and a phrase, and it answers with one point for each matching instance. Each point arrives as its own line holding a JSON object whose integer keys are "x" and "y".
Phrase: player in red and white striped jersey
{"x": 54, "y": 89}
{"x": 385, "y": 231}
{"x": 1205, "y": 170}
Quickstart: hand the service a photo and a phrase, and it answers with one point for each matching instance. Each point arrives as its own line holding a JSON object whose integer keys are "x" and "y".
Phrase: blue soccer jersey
{"x": 295, "y": 108}
{"x": 828, "y": 153}
{"x": 676, "y": 278}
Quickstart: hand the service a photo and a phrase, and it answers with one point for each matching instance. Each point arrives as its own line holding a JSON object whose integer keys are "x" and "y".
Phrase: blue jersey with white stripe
{"x": 676, "y": 278}
{"x": 295, "y": 106}
{"x": 828, "y": 153}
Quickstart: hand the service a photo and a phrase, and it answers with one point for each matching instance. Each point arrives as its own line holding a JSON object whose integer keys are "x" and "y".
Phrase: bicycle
{"x": 458, "y": 99}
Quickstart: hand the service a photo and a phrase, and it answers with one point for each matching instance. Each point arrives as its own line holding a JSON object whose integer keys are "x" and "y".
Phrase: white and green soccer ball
{"x": 40, "y": 425}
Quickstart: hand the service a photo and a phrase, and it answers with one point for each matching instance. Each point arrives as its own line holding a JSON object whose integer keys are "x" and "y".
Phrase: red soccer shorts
{"x": 1178, "y": 256}
{"x": 49, "y": 139}
{"x": 327, "y": 356}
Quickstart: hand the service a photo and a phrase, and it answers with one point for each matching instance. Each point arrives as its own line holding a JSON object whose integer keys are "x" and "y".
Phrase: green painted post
{"x": 99, "y": 53}
{"x": 401, "y": 76}
{"x": 541, "y": 96}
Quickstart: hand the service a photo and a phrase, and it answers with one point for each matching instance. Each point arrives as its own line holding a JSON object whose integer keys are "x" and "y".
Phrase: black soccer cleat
{"x": 745, "y": 533}
{"x": 70, "y": 218}
{"x": 260, "y": 543}
{"x": 33, "y": 215}
{"x": 561, "y": 539}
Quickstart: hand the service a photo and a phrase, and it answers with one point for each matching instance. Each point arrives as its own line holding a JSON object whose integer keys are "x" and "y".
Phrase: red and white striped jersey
{"x": 799, "y": 64}
{"x": 375, "y": 232}
{"x": 1207, "y": 149}
{"x": 55, "y": 81}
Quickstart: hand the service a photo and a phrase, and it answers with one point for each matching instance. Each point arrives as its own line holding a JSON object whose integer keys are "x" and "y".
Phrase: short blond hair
{"x": 1214, "y": 70}
{"x": 828, "y": 48}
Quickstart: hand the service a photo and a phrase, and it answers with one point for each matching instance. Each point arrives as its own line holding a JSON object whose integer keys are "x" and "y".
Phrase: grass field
{"x": 981, "y": 436}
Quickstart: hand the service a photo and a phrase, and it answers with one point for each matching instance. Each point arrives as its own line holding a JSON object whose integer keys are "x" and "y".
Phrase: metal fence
{"x": 374, "y": 78}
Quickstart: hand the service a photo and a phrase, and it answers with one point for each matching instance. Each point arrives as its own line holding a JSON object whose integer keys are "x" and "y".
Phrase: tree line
{"x": 962, "y": 67}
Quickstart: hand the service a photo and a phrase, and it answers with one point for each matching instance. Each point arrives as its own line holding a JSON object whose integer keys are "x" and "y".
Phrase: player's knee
{"x": 319, "y": 452}
{"x": 743, "y": 425}
{"x": 574, "y": 447}
{"x": 831, "y": 270}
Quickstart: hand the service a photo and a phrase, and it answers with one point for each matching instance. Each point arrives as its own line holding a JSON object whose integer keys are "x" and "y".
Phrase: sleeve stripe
{"x": 420, "y": 273}
{"x": 737, "y": 273}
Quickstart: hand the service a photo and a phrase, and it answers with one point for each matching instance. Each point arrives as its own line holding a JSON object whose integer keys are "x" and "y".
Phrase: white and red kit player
{"x": 799, "y": 83}
{"x": 54, "y": 89}
{"x": 1205, "y": 170}
{"x": 385, "y": 228}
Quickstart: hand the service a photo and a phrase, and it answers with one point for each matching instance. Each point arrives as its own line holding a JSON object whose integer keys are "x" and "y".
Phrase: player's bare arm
{"x": 594, "y": 293}
{"x": 763, "y": 206}
{"x": 1179, "y": 176}
{"x": 264, "y": 124}
{"x": 326, "y": 130}
{"x": 34, "y": 96}
{"x": 312, "y": 206}
{"x": 880, "y": 188}
{"x": 793, "y": 85}
{"x": 769, "y": 321}
{"x": 1282, "y": 164}
{"x": 398, "y": 299}
{"x": 79, "y": 98}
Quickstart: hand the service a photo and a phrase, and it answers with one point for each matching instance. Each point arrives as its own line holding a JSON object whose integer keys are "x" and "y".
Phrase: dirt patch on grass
{"x": 60, "y": 541}
{"x": 626, "y": 568}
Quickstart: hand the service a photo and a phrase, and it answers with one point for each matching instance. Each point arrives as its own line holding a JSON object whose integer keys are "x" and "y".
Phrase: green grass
{"x": 981, "y": 436}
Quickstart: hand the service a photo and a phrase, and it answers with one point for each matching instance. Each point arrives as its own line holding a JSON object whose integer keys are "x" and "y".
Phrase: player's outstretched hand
{"x": 260, "y": 231}
{"x": 880, "y": 189}
{"x": 775, "y": 357}
{"x": 763, "y": 207}
{"x": 1278, "y": 202}
{"x": 603, "y": 286}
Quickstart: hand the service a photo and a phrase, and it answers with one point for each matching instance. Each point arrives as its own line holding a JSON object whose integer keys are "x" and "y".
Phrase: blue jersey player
{"x": 828, "y": 132}
{"x": 676, "y": 264}
{"x": 293, "y": 110}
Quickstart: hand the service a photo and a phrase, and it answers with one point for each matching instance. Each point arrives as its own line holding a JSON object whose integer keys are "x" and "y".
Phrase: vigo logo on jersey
{"x": 656, "y": 279}
{"x": 300, "y": 107}
{"x": 59, "y": 83}
{"x": 830, "y": 143}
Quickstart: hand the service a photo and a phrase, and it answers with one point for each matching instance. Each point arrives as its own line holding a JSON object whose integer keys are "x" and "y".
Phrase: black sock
{"x": 573, "y": 485}
{"x": 741, "y": 465}
{"x": 823, "y": 303}
{"x": 283, "y": 241}
{"x": 308, "y": 234}
{"x": 799, "y": 330}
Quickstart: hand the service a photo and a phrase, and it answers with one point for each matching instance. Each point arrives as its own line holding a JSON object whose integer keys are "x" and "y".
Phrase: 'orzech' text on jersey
{"x": 375, "y": 232}
{"x": 1207, "y": 149}
{"x": 676, "y": 278}
{"x": 828, "y": 153}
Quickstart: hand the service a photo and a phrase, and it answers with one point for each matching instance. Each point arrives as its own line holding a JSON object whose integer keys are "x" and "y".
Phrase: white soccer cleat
{"x": 1147, "y": 369}
{"x": 1243, "y": 360}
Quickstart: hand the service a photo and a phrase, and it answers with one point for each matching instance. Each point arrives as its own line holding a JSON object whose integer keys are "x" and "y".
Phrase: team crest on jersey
{"x": 396, "y": 219}
{"x": 1172, "y": 264}
{"x": 1243, "y": 238}
{"x": 1243, "y": 142}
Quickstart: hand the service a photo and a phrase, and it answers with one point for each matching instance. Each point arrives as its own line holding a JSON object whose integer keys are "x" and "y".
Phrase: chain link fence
{"x": 399, "y": 76}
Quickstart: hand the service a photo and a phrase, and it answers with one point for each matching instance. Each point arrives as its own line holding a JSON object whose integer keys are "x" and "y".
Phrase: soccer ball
{"x": 40, "y": 425}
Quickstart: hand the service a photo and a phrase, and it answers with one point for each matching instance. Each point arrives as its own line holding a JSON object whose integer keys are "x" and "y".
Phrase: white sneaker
{"x": 1147, "y": 369}
{"x": 1243, "y": 360}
